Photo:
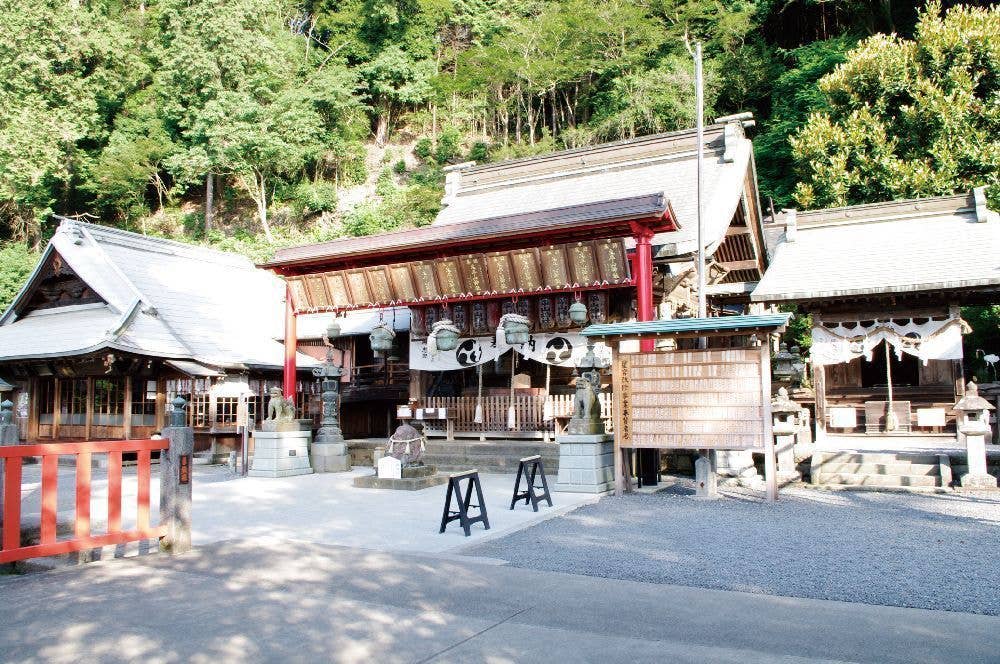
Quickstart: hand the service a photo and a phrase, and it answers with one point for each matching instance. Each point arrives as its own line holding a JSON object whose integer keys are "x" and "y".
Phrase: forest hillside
{"x": 253, "y": 124}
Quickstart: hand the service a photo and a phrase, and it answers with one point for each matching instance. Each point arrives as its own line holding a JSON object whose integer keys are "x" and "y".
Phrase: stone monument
{"x": 329, "y": 450}
{"x": 974, "y": 426}
{"x": 280, "y": 447}
{"x": 401, "y": 465}
{"x": 586, "y": 450}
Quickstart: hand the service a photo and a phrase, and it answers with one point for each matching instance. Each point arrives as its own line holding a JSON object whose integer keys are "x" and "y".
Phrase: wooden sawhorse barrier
{"x": 530, "y": 468}
{"x": 462, "y": 513}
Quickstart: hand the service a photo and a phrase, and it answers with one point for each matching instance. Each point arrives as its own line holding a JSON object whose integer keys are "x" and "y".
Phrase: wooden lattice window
{"x": 225, "y": 411}
{"x": 46, "y": 400}
{"x": 143, "y": 402}
{"x": 73, "y": 401}
{"x": 200, "y": 401}
{"x": 109, "y": 401}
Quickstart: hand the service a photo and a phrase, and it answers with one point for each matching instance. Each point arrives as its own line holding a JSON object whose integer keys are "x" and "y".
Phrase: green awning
{"x": 720, "y": 325}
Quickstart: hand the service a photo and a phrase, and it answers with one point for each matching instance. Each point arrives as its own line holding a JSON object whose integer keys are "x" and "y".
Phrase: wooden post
{"x": 33, "y": 405}
{"x": 770, "y": 461}
{"x": 819, "y": 388}
{"x": 127, "y": 409}
{"x": 56, "y": 404}
{"x": 161, "y": 403}
{"x": 291, "y": 341}
{"x": 89, "y": 417}
{"x": 644, "y": 281}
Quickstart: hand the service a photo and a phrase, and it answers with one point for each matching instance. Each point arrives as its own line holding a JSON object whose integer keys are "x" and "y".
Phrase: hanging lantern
{"x": 578, "y": 313}
{"x": 332, "y": 332}
{"x": 443, "y": 336}
{"x": 515, "y": 328}
{"x": 381, "y": 338}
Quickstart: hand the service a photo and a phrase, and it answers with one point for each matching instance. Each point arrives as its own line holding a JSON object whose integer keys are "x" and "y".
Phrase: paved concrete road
{"x": 272, "y": 600}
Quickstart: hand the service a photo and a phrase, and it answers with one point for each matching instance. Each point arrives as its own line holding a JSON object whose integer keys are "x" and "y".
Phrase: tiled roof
{"x": 664, "y": 163}
{"x": 164, "y": 299}
{"x": 949, "y": 243}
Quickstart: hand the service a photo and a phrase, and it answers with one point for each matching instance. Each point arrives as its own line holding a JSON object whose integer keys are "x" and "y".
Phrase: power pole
{"x": 700, "y": 111}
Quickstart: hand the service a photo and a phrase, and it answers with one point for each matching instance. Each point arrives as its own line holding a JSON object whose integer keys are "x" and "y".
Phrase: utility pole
{"x": 700, "y": 111}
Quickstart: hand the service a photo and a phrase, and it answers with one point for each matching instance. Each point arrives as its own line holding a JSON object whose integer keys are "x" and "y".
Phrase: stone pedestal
{"x": 329, "y": 457}
{"x": 975, "y": 446}
{"x": 706, "y": 479}
{"x": 9, "y": 434}
{"x": 586, "y": 463}
{"x": 175, "y": 489}
{"x": 280, "y": 453}
{"x": 412, "y": 478}
{"x": 784, "y": 449}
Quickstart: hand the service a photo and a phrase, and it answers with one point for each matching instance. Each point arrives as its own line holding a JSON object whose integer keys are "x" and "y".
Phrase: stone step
{"x": 851, "y": 479}
{"x": 485, "y": 463}
{"x": 877, "y": 468}
{"x": 824, "y": 456}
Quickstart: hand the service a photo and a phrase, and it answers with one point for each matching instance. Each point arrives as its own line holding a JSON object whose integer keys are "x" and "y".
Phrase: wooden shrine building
{"x": 884, "y": 284}
{"x": 613, "y": 227}
{"x": 112, "y": 325}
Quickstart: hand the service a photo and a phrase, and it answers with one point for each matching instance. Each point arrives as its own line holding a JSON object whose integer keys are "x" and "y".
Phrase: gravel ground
{"x": 935, "y": 551}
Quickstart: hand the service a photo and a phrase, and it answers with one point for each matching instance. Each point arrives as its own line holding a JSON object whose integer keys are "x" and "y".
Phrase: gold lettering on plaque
{"x": 500, "y": 273}
{"x": 359, "y": 288}
{"x": 554, "y": 267}
{"x": 317, "y": 294}
{"x": 448, "y": 276}
{"x": 527, "y": 270}
{"x": 380, "y": 285}
{"x": 425, "y": 279}
{"x": 475, "y": 274}
{"x": 583, "y": 263}
{"x": 338, "y": 291}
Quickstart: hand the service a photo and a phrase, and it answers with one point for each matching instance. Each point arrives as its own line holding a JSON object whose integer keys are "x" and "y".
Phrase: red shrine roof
{"x": 598, "y": 220}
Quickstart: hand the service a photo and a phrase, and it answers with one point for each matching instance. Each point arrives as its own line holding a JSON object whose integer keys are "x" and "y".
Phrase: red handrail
{"x": 83, "y": 537}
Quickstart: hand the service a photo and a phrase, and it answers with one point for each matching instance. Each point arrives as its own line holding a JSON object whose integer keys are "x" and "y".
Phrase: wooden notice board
{"x": 694, "y": 399}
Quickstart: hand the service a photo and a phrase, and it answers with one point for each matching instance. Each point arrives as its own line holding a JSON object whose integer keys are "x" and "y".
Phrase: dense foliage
{"x": 251, "y": 124}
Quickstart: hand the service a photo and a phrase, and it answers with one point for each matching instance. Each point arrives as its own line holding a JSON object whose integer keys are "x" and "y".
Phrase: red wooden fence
{"x": 83, "y": 538}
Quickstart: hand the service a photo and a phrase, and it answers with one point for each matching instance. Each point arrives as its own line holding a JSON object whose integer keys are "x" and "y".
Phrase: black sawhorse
{"x": 462, "y": 513}
{"x": 530, "y": 468}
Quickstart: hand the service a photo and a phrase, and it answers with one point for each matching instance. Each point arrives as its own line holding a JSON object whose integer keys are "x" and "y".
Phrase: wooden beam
{"x": 127, "y": 409}
{"x": 770, "y": 460}
{"x": 732, "y": 266}
{"x": 89, "y": 417}
{"x": 33, "y": 404}
{"x": 56, "y": 402}
{"x": 737, "y": 230}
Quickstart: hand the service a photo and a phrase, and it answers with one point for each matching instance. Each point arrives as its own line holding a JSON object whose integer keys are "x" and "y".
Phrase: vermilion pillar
{"x": 290, "y": 345}
{"x": 644, "y": 280}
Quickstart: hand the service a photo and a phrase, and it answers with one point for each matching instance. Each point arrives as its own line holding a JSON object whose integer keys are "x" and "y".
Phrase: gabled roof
{"x": 663, "y": 164}
{"x": 161, "y": 299}
{"x": 948, "y": 243}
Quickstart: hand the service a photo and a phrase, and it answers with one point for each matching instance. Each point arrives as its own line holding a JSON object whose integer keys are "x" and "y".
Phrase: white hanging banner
{"x": 931, "y": 339}
{"x": 563, "y": 350}
{"x": 471, "y": 351}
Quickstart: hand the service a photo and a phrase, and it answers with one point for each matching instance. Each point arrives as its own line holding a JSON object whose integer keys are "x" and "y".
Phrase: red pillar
{"x": 290, "y": 345}
{"x": 644, "y": 280}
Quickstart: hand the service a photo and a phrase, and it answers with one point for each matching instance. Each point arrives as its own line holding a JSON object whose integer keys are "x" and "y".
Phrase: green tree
{"x": 908, "y": 118}
{"x": 16, "y": 263}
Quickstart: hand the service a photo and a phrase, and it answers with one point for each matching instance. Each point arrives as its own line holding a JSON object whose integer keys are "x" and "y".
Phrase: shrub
{"x": 314, "y": 197}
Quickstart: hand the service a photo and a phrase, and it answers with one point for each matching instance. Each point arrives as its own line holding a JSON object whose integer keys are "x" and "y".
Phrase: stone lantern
{"x": 578, "y": 313}
{"x": 787, "y": 367}
{"x": 785, "y": 427}
{"x": 974, "y": 425}
{"x": 328, "y": 451}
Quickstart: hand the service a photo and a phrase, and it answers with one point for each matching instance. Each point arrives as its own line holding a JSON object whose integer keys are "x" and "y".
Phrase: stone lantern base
{"x": 280, "y": 453}
{"x": 586, "y": 463}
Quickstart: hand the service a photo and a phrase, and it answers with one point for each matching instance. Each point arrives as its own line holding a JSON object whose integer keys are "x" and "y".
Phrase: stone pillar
{"x": 8, "y": 436}
{"x": 785, "y": 428}
{"x": 176, "y": 470}
{"x": 586, "y": 463}
{"x": 974, "y": 426}
{"x": 706, "y": 480}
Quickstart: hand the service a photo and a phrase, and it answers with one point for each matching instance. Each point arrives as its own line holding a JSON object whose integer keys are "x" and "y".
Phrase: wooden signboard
{"x": 693, "y": 399}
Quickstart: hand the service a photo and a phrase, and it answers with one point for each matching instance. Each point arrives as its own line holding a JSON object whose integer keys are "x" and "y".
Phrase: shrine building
{"x": 540, "y": 248}
{"x": 884, "y": 284}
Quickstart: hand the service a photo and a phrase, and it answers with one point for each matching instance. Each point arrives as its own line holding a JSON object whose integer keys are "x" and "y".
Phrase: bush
{"x": 449, "y": 143}
{"x": 314, "y": 197}
{"x": 480, "y": 152}
{"x": 423, "y": 148}
{"x": 399, "y": 167}
{"x": 369, "y": 219}
{"x": 16, "y": 263}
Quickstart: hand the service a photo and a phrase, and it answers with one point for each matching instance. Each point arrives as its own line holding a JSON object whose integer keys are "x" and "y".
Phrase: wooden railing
{"x": 83, "y": 537}
{"x": 528, "y": 409}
